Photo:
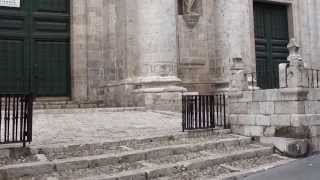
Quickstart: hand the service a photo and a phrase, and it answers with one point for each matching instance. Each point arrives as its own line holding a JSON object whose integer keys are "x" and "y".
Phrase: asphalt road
{"x": 305, "y": 169}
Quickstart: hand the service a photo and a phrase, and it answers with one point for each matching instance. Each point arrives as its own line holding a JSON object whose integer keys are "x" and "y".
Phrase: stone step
{"x": 154, "y": 148}
{"x": 201, "y": 153}
{"x": 172, "y": 170}
{"x": 86, "y": 110}
{"x": 154, "y": 167}
{"x": 64, "y": 105}
{"x": 58, "y": 152}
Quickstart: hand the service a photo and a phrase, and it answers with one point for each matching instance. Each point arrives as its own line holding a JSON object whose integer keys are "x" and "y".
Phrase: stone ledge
{"x": 164, "y": 170}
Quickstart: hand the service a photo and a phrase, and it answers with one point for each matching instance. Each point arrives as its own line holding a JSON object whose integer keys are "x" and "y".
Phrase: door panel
{"x": 52, "y": 69}
{"x": 50, "y": 47}
{"x": 271, "y": 37}
{"x": 12, "y": 72}
{"x": 34, "y": 47}
{"x": 13, "y": 52}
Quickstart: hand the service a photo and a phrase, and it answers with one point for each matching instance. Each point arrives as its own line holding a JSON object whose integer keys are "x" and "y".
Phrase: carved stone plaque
{"x": 10, "y": 3}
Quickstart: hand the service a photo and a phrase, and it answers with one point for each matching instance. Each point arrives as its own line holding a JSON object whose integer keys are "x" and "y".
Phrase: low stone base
{"x": 288, "y": 146}
{"x": 164, "y": 98}
{"x": 122, "y": 95}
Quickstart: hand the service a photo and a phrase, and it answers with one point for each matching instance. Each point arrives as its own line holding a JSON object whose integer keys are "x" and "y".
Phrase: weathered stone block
{"x": 253, "y": 131}
{"x": 298, "y": 120}
{"x": 233, "y": 119}
{"x": 266, "y": 108}
{"x": 289, "y": 107}
{"x": 312, "y": 107}
{"x": 294, "y": 94}
{"x": 280, "y": 120}
{"x": 4, "y": 153}
{"x": 259, "y": 96}
{"x": 263, "y": 120}
{"x": 314, "y": 120}
{"x": 269, "y": 131}
{"x": 315, "y": 131}
{"x": 248, "y": 120}
{"x": 290, "y": 147}
{"x": 253, "y": 107}
{"x": 315, "y": 144}
{"x": 237, "y": 129}
{"x": 273, "y": 94}
{"x": 238, "y": 108}
{"x": 247, "y": 96}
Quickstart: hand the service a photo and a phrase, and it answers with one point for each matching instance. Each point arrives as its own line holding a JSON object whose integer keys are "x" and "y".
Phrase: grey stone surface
{"x": 114, "y": 44}
{"x": 93, "y": 125}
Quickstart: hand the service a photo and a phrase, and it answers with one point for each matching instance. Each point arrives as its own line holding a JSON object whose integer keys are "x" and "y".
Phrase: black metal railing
{"x": 312, "y": 77}
{"x": 16, "y": 112}
{"x": 264, "y": 79}
{"x": 204, "y": 112}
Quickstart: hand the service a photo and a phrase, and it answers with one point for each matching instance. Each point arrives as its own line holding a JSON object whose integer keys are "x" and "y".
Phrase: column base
{"x": 164, "y": 99}
{"x": 161, "y": 93}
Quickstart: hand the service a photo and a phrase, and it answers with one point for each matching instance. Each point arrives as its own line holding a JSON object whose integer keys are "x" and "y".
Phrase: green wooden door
{"x": 14, "y": 54}
{"x": 34, "y": 46}
{"x": 271, "y": 38}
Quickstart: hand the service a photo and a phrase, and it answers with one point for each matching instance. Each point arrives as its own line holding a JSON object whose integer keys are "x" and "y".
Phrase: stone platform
{"x": 131, "y": 143}
{"x": 76, "y": 126}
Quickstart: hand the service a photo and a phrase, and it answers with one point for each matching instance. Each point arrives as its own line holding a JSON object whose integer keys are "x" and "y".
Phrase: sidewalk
{"x": 304, "y": 169}
{"x": 58, "y": 127}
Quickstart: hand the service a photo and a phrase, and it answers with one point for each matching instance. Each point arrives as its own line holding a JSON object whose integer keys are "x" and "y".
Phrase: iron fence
{"x": 16, "y": 112}
{"x": 270, "y": 79}
{"x": 204, "y": 112}
{"x": 312, "y": 76}
{"x": 264, "y": 79}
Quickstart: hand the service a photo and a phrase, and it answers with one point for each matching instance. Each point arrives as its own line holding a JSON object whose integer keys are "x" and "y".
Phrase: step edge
{"x": 188, "y": 164}
{"x": 86, "y": 162}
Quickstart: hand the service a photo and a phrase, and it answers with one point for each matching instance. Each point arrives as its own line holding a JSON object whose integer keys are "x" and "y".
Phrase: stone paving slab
{"x": 59, "y": 127}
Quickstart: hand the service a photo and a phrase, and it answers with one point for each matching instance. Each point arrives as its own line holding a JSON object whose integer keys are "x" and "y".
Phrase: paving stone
{"x": 73, "y": 127}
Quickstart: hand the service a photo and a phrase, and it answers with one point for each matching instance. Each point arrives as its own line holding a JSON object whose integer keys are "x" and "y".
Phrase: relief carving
{"x": 192, "y": 7}
{"x": 191, "y": 12}
{"x": 161, "y": 69}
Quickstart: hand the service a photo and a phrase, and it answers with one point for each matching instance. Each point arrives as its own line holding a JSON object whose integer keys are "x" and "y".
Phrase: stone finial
{"x": 294, "y": 75}
{"x": 294, "y": 51}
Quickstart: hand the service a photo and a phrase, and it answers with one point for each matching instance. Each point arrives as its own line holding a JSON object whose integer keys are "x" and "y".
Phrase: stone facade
{"x": 140, "y": 52}
{"x": 293, "y": 111}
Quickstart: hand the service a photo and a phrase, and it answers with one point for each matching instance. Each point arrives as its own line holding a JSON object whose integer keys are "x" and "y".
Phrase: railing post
{"x": 295, "y": 73}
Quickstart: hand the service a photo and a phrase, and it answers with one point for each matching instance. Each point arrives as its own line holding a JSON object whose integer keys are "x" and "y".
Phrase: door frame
{"x": 293, "y": 22}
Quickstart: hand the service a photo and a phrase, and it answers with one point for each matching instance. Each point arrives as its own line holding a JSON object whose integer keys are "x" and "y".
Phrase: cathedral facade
{"x": 149, "y": 52}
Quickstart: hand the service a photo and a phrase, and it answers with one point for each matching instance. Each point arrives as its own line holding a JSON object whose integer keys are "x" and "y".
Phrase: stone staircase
{"x": 198, "y": 155}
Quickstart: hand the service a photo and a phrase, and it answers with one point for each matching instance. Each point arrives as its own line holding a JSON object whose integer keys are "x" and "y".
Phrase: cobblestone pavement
{"x": 54, "y": 127}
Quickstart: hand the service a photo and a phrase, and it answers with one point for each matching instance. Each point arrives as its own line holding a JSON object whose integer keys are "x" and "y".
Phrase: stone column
{"x": 233, "y": 38}
{"x": 157, "y": 37}
{"x": 79, "y": 73}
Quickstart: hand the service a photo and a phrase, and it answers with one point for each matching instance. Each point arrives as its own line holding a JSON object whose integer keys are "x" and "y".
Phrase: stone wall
{"x": 112, "y": 49}
{"x": 197, "y": 50}
{"x": 291, "y": 113}
{"x": 98, "y": 46}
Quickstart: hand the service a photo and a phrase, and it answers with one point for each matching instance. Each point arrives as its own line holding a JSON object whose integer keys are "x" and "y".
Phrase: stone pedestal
{"x": 239, "y": 79}
{"x": 157, "y": 33}
{"x": 293, "y": 75}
